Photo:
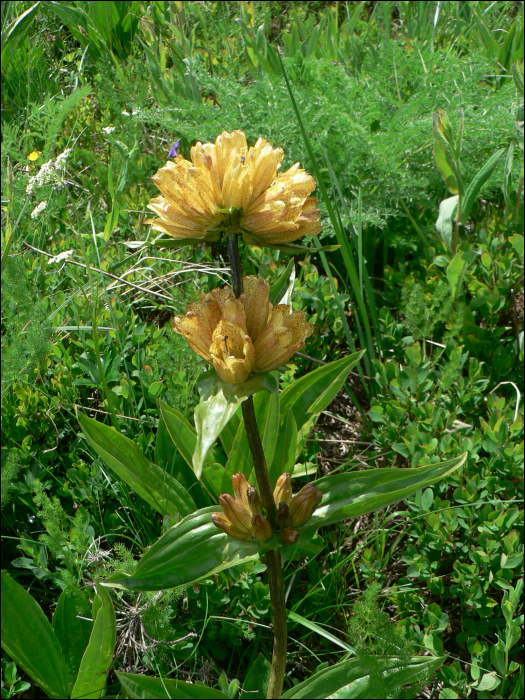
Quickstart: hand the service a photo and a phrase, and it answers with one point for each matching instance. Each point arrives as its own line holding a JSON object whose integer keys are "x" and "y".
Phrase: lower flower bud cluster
{"x": 243, "y": 518}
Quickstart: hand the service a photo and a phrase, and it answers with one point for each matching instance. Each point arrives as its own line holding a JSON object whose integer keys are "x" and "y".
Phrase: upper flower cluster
{"x": 244, "y": 335}
{"x": 197, "y": 196}
{"x": 243, "y": 517}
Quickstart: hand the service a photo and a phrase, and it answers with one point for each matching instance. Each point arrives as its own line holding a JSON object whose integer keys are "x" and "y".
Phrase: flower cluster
{"x": 49, "y": 172}
{"x": 244, "y": 335}
{"x": 38, "y": 209}
{"x": 243, "y": 518}
{"x": 199, "y": 195}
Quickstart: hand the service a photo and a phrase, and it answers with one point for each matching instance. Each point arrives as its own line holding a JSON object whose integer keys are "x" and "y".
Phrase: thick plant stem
{"x": 275, "y": 576}
{"x": 259, "y": 462}
{"x": 235, "y": 264}
{"x": 273, "y": 557}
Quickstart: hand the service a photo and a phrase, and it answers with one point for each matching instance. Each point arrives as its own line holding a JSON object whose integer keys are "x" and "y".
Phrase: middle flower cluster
{"x": 243, "y": 518}
{"x": 244, "y": 335}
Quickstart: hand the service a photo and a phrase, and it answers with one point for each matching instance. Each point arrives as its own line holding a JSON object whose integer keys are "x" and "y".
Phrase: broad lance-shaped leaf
{"x": 267, "y": 414}
{"x": 187, "y": 552}
{"x": 477, "y": 183}
{"x": 92, "y": 674}
{"x": 73, "y": 633}
{"x": 278, "y": 290}
{"x": 29, "y": 639}
{"x": 457, "y": 268}
{"x": 313, "y": 392}
{"x": 184, "y": 437}
{"x": 373, "y": 677}
{"x": 153, "y": 484}
{"x": 195, "y": 548}
{"x": 219, "y": 401}
{"x": 349, "y": 495}
{"x": 148, "y": 687}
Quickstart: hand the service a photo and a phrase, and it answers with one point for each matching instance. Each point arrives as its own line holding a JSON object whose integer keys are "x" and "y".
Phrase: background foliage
{"x": 93, "y": 96}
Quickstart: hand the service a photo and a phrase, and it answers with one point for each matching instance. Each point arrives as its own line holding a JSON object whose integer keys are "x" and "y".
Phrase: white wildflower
{"x": 135, "y": 111}
{"x": 38, "y": 209}
{"x": 108, "y": 129}
{"x": 48, "y": 172}
{"x": 126, "y": 114}
{"x": 61, "y": 256}
{"x": 61, "y": 159}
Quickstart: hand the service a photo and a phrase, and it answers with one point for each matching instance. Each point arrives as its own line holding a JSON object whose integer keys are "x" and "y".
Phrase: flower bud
{"x": 261, "y": 528}
{"x": 288, "y": 536}
{"x": 236, "y": 513}
{"x": 254, "y": 500}
{"x": 222, "y": 522}
{"x": 282, "y": 517}
{"x": 304, "y": 504}
{"x": 240, "y": 488}
{"x": 283, "y": 490}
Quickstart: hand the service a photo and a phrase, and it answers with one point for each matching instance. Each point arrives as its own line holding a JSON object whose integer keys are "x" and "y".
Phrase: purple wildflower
{"x": 174, "y": 149}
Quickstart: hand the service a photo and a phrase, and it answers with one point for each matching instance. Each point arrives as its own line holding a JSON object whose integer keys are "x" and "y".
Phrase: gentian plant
{"x": 227, "y": 512}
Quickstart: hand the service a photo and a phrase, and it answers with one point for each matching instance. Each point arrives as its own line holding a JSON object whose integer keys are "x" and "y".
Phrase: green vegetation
{"x": 410, "y": 117}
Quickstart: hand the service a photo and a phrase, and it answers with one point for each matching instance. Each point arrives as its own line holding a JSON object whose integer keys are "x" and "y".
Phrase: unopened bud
{"x": 254, "y": 500}
{"x": 283, "y": 489}
{"x": 222, "y": 522}
{"x": 288, "y": 536}
{"x": 261, "y": 528}
{"x": 240, "y": 487}
{"x": 236, "y": 513}
{"x": 304, "y": 504}
{"x": 282, "y": 517}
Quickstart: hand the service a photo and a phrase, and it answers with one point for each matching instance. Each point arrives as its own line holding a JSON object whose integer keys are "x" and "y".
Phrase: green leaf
{"x": 111, "y": 221}
{"x": 355, "y": 678}
{"x": 181, "y": 242}
{"x": 183, "y": 435}
{"x": 267, "y": 412}
{"x": 16, "y": 32}
{"x": 239, "y": 459}
{"x": 456, "y": 270}
{"x": 168, "y": 457}
{"x": 268, "y": 415}
{"x": 477, "y": 183}
{"x": 443, "y": 154}
{"x": 219, "y": 401}
{"x": 349, "y": 495}
{"x": 252, "y": 239}
{"x": 278, "y": 290}
{"x": 29, "y": 639}
{"x": 92, "y": 674}
{"x": 187, "y": 552}
{"x": 313, "y": 392}
{"x": 313, "y": 627}
{"x": 507, "y": 179}
{"x": 72, "y": 632}
{"x": 445, "y": 222}
{"x": 256, "y": 682}
{"x": 153, "y": 484}
{"x": 146, "y": 687}
{"x": 517, "y": 243}
{"x": 284, "y": 457}
{"x": 491, "y": 45}
{"x": 229, "y": 431}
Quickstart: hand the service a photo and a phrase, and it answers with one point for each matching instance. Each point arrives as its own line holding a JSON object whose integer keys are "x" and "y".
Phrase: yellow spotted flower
{"x": 244, "y": 335}
{"x": 198, "y": 196}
